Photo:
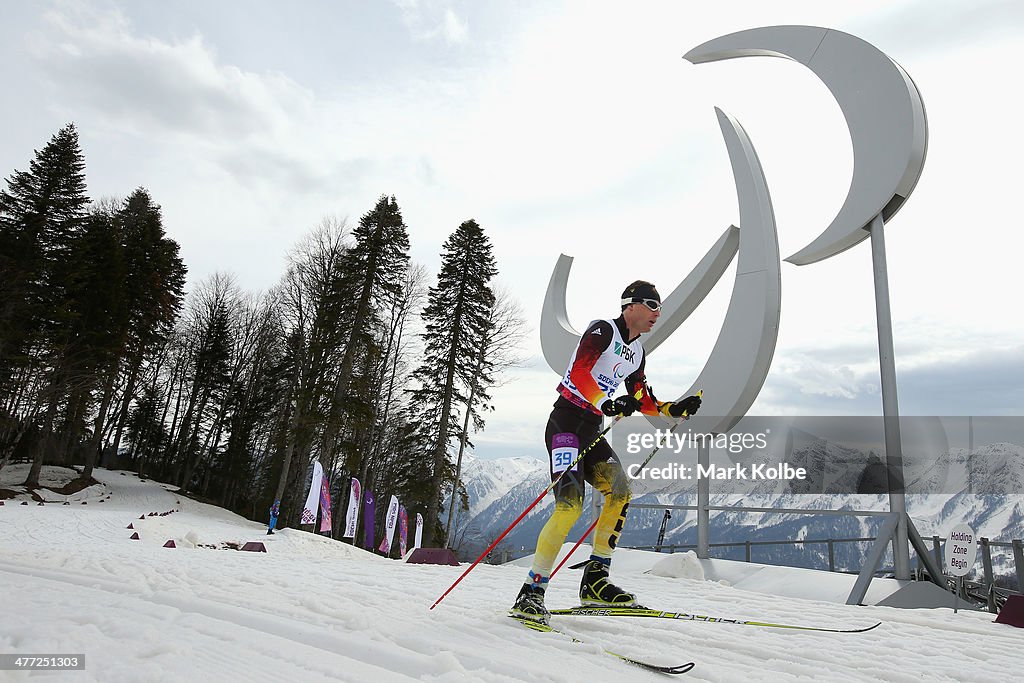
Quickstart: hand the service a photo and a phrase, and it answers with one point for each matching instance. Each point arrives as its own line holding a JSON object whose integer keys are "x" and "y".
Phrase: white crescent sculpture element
{"x": 883, "y": 109}
{"x": 738, "y": 365}
{"x": 559, "y": 338}
{"x": 739, "y": 361}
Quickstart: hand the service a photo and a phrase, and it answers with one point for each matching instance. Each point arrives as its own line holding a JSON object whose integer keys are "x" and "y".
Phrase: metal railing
{"x": 748, "y": 546}
{"x": 986, "y": 590}
{"x": 983, "y": 591}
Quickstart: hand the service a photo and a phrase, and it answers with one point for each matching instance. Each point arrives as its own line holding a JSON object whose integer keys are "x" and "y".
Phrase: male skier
{"x": 608, "y": 354}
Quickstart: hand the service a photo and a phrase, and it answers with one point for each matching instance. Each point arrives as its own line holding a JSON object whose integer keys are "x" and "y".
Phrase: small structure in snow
{"x": 433, "y": 556}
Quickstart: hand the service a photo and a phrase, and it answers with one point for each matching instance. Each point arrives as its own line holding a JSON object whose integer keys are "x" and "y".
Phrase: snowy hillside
{"x": 488, "y": 480}
{"x": 311, "y": 609}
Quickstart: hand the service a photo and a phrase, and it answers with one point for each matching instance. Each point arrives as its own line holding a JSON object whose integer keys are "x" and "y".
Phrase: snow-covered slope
{"x": 311, "y": 609}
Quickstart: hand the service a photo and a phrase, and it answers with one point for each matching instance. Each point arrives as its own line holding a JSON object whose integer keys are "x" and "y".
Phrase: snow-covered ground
{"x": 311, "y": 609}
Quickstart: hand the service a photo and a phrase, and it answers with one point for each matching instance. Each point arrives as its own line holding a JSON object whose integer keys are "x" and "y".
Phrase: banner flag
{"x": 419, "y": 531}
{"x": 313, "y": 497}
{"x": 369, "y": 514}
{"x": 389, "y": 530}
{"x": 325, "y": 507}
{"x": 403, "y": 529}
{"x": 352, "y": 517}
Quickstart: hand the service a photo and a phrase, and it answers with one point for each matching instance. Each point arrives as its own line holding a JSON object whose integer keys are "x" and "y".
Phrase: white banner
{"x": 354, "y": 500}
{"x": 391, "y": 521}
{"x": 312, "y": 505}
{"x": 419, "y": 531}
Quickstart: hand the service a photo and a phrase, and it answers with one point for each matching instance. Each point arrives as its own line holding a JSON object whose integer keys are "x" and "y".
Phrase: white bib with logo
{"x": 618, "y": 361}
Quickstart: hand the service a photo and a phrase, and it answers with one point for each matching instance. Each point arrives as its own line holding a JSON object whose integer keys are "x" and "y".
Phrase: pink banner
{"x": 403, "y": 529}
{"x": 325, "y": 507}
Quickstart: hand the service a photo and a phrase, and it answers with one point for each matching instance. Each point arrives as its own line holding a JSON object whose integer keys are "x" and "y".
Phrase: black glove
{"x": 623, "y": 405}
{"x": 688, "y": 405}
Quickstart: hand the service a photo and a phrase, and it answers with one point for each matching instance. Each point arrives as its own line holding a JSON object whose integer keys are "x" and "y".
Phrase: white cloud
{"x": 177, "y": 86}
{"x": 816, "y": 378}
{"x": 428, "y": 20}
{"x": 456, "y": 30}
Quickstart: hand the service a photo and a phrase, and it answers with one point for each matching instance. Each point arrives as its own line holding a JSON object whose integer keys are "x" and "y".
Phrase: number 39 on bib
{"x": 564, "y": 450}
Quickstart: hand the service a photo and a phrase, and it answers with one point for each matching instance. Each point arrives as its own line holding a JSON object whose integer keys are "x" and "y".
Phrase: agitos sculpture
{"x": 889, "y": 131}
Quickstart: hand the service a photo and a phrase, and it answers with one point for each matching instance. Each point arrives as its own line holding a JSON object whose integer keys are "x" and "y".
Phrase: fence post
{"x": 988, "y": 581}
{"x": 1018, "y": 563}
{"x": 831, "y": 556}
{"x": 748, "y": 551}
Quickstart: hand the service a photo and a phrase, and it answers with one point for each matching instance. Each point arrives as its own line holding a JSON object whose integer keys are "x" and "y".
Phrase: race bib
{"x": 565, "y": 448}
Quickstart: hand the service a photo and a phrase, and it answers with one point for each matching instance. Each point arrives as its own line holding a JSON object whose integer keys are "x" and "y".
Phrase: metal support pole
{"x": 986, "y": 560}
{"x": 703, "y": 500}
{"x": 988, "y": 580}
{"x": 873, "y": 560}
{"x": 890, "y": 402}
{"x": 1018, "y": 562}
{"x": 831, "y": 555}
{"x": 931, "y": 565}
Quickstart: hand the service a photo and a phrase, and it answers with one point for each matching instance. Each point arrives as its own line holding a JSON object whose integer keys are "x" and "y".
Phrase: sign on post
{"x": 961, "y": 551}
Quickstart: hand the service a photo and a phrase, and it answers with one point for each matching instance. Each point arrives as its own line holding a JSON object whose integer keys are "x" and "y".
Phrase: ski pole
{"x": 531, "y": 506}
{"x": 593, "y": 524}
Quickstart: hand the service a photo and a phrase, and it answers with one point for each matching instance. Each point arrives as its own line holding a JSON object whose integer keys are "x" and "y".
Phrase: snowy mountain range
{"x": 984, "y": 488}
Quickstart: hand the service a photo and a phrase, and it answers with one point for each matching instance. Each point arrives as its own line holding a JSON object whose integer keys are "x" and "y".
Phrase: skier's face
{"x": 640, "y": 318}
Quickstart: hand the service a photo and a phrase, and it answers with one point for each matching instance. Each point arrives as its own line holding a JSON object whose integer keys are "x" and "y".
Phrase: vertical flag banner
{"x": 389, "y": 529}
{"x": 369, "y": 513}
{"x": 313, "y": 497}
{"x": 325, "y": 506}
{"x": 419, "y": 531}
{"x": 403, "y": 529}
{"x": 352, "y": 517}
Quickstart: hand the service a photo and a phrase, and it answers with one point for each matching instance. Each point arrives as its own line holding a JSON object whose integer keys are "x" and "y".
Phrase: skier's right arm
{"x": 594, "y": 342}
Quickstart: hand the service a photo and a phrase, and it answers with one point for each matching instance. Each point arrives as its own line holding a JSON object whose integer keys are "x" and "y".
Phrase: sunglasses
{"x": 652, "y": 304}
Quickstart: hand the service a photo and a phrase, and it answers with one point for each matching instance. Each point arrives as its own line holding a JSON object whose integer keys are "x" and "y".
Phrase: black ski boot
{"x": 597, "y": 590}
{"x": 530, "y": 604}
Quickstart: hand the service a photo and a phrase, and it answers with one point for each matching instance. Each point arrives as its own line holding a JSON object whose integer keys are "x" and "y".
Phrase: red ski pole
{"x": 530, "y": 507}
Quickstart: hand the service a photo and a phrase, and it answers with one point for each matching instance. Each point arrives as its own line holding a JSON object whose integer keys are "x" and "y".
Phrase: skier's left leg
{"x": 595, "y": 588}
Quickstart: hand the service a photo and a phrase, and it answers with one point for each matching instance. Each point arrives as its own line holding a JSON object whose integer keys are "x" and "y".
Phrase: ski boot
{"x": 530, "y": 604}
{"x": 597, "y": 590}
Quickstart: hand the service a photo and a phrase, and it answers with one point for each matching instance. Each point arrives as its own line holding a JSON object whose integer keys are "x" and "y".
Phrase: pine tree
{"x": 375, "y": 270}
{"x": 41, "y": 211}
{"x": 498, "y": 351}
{"x": 149, "y": 278}
{"x": 96, "y": 308}
{"x": 456, "y": 318}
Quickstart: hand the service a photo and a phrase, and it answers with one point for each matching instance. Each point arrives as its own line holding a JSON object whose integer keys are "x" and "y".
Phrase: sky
{"x": 572, "y": 128}
{"x": 313, "y": 609}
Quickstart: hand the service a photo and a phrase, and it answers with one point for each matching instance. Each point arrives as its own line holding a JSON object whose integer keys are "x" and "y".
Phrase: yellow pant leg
{"x": 552, "y": 536}
{"x": 611, "y": 481}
